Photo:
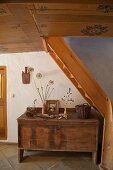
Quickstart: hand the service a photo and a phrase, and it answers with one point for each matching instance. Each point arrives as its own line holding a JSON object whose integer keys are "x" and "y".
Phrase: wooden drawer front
{"x": 50, "y": 138}
{"x": 25, "y": 135}
{"x": 54, "y": 137}
{"x": 41, "y": 138}
{"x": 81, "y": 139}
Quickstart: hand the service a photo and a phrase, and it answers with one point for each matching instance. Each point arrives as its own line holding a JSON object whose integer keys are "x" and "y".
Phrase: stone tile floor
{"x": 37, "y": 160}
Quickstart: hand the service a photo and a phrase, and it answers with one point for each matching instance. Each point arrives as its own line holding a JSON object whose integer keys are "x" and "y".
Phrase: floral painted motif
{"x": 106, "y": 8}
{"x": 94, "y": 30}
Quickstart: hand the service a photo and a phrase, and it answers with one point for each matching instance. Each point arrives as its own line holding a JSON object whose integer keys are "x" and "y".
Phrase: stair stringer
{"x": 90, "y": 90}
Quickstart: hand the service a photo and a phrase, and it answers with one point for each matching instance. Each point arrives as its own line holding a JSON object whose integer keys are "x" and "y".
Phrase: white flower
{"x": 38, "y": 75}
{"x": 67, "y": 99}
{"x": 45, "y": 91}
{"x": 30, "y": 69}
{"x": 51, "y": 82}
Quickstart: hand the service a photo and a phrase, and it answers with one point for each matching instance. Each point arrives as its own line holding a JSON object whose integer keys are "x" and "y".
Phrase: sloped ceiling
{"x": 22, "y": 23}
{"x": 97, "y": 55}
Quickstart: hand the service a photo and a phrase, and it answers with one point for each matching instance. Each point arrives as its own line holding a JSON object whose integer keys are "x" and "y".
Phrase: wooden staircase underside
{"x": 70, "y": 64}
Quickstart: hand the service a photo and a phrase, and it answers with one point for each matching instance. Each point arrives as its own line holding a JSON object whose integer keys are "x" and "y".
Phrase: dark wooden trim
{"x": 59, "y": 1}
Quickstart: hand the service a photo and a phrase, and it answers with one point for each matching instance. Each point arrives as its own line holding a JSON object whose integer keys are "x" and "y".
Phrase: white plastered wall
{"x": 20, "y": 96}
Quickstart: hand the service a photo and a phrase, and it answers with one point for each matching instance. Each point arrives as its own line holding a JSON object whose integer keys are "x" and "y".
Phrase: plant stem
{"x": 42, "y": 94}
{"x": 38, "y": 90}
{"x": 50, "y": 92}
{"x": 47, "y": 92}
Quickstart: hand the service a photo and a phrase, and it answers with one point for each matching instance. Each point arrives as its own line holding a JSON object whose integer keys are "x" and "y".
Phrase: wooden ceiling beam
{"x": 20, "y": 47}
{"x": 73, "y": 8}
{"x": 79, "y": 23}
{"x": 47, "y": 18}
{"x": 78, "y": 18}
{"x": 75, "y": 29}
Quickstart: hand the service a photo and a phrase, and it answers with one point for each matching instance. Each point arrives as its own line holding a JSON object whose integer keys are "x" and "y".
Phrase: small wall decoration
{"x": 26, "y": 75}
{"x": 106, "y": 8}
{"x": 52, "y": 106}
{"x": 94, "y": 30}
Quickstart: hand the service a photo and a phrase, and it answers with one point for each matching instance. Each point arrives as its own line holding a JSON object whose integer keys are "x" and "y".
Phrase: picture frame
{"x": 52, "y": 106}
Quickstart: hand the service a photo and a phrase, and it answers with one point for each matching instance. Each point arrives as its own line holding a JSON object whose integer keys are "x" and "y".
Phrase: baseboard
{"x": 9, "y": 143}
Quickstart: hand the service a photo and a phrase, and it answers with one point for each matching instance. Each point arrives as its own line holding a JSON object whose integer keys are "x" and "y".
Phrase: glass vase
{"x": 65, "y": 112}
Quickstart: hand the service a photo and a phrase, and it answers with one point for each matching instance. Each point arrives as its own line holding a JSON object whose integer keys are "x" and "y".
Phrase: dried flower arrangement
{"x": 67, "y": 99}
{"x": 44, "y": 93}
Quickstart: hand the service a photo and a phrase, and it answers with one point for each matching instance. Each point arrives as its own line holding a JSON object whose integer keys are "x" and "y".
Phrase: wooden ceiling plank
{"x": 21, "y": 47}
{"x": 75, "y": 29}
{"x": 77, "y": 9}
{"x": 73, "y": 18}
{"x": 18, "y": 28}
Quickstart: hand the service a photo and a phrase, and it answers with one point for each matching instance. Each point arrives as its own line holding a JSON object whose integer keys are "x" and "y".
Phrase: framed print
{"x": 52, "y": 106}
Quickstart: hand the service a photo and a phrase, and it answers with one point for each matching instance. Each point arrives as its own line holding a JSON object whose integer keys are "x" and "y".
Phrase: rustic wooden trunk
{"x": 74, "y": 134}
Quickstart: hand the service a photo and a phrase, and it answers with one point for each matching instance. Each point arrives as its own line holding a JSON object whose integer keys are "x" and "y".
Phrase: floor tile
{"x": 4, "y": 165}
{"x": 40, "y": 160}
{"x": 1, "y": 156}
{"x": 27, "y": 166}
{"x": 44, "y": 159}
{"x": 47, "y": 162}
{"x": 13, "y": 160}
{"x": 80, "y": 163}
{"x": 10, "y": 151}
{"x": 60, "y": 166}
{"x": 3, "y": 146}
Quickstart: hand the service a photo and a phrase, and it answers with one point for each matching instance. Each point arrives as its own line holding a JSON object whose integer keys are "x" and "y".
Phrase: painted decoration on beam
{"x": 106, "y": 8}
{"x": 94, "y": 30}
{"x": 4, "y": 10}
{"x": 42, "y": 9}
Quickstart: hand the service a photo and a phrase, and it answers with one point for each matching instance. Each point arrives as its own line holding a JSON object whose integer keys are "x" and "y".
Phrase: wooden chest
{"x": 79, "y": 135}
